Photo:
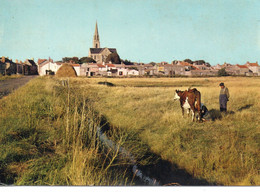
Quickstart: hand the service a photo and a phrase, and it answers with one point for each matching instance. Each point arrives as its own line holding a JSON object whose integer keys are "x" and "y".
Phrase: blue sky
{"x": 216, "y": 31}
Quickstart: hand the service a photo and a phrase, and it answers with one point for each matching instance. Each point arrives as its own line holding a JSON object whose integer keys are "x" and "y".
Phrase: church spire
{"x": 96, "y": 43}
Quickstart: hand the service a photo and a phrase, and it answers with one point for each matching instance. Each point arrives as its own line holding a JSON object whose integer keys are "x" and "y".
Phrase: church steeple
{"x": 96, "y": 43}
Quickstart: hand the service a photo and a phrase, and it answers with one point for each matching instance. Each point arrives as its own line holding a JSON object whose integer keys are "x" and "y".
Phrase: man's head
{"x": 221, "y": 85}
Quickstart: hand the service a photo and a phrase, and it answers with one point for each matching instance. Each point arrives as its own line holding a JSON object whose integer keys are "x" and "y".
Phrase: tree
{"x": 114, "y": 58}
{"x": 86, "y": 60}
{"x": 127, "y": 62}
{"x": 200, "y": 62}
{"x": 188, "y": 61}
{"x": 70, "y": 59}
{"x": 222, "y": 72}
{"x": 152, "y": 63}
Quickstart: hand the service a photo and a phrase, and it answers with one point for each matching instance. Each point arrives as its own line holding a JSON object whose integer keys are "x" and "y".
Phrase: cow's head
{"x": 177, "y": 95}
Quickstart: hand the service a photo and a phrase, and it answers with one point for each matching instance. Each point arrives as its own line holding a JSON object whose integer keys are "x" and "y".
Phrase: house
{"x": 7, "y": 66}
{"x": 173, "y": 70}
{"x": 19, "y": 67}
{"x": 146, "y": 69}
{"x": 122, "y": 70}
{"x": 132, "y": 72}
{"x": 188, "y": 66}
{"x": 30, "y": 67}
{"x": 90, "y": 69}
{"x": 47, "y": 67}
{"x": 77, "y": 68}
{"x": 208, "y": 72}
{"x": 243, "y": 70}
{"x": 254, "y": 67}
{"x": 111, "y": 70}
{"x": 202, "y": 67}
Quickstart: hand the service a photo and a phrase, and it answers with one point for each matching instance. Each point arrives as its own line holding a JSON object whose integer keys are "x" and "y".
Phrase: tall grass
{"x": 224, "y": 151}
{"x": 48, "y": 137}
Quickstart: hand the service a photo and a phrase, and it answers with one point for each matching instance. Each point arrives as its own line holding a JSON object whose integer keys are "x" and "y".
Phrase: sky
{"x": 216, "y": 31}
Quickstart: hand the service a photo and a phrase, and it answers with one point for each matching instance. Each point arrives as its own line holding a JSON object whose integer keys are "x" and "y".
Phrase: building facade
{"x": 96, "y": 52}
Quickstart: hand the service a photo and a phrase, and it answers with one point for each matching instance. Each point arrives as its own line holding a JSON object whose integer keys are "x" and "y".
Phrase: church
{"x": 97, "y": 53}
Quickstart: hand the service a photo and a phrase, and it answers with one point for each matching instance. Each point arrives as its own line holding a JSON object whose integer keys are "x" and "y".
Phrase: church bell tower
{"x": 96, "y": 42}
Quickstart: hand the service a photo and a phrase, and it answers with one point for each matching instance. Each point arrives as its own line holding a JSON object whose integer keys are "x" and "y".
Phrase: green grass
{"x": 48, "y": 137}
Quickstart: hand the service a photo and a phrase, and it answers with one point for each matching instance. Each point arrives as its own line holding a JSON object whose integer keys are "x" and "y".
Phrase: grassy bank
{"x": 48, "y": 137}
{"x": 224, "y": 151}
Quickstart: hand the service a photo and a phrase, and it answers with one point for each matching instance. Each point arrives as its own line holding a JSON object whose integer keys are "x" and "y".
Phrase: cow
{"x": 189, "y": 99}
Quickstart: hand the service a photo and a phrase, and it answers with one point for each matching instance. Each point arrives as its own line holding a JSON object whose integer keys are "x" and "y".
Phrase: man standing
{"x": 223, "y": 97}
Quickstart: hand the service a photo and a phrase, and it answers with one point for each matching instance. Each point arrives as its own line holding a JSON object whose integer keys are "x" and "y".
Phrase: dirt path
{"x": 7, "y": 86}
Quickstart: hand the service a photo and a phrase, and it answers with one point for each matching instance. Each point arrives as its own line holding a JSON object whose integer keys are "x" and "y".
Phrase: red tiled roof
{"x": 110, "y": 65}
{"x": 41, "y": 60}
{"x": 253, "y": 64}
{"x": 99, "y": 65}
{"x": 185, "y": 63}
{"x": 75, "y": 65}
{"x": 242, "y": 66}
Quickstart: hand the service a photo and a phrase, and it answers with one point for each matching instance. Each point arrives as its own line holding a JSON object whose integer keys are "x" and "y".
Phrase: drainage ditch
{"x": 161, "y": 173}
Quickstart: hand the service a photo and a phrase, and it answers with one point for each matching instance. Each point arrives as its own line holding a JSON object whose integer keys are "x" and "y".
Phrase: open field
{"x": 48, "y": 131}
{"x": 224, "y": 151}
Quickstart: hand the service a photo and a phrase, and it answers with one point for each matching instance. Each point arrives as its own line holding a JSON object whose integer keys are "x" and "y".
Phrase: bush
{"x": 222, "y": 72}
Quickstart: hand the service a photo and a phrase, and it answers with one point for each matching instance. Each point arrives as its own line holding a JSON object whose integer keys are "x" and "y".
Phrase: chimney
{"x": 16, "y": 60}
{"x": 3, "y": 59}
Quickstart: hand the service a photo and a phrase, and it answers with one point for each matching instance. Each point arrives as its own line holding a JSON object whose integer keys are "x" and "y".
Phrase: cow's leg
{"x": 192, "y": 115}
{"x": 193, "y": 112}
{"x": 188, "y": 111}
{"x": 182, "y": 112}
{"x": 199, "y": 116}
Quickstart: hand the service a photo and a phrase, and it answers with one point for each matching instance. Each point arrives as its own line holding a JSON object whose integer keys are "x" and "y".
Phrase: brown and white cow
{"x": 190, "y": 100}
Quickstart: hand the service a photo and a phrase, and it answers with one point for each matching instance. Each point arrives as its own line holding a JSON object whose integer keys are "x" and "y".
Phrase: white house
{"x": 47, "y": 67}
{"x": 121, "y": 70}
{"x": 77, "y": 68}
{"x": 132, "y": 72}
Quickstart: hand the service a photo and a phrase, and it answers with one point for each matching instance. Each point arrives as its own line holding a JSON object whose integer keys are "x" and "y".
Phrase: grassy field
{"x": 48, "y": 131}
{"x": 48, "y": 137}
{"x": 224, "y": 151}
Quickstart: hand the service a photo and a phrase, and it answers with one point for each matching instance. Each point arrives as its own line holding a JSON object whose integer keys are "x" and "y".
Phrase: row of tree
{"x": 197, "y": 62}
{"x": 77, "y": 60}
{"x": 113, "y": 58}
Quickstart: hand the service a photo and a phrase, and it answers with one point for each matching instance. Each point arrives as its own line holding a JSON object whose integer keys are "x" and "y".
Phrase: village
{"x": 175, "y": 69}
{"x": 105, "y": 62}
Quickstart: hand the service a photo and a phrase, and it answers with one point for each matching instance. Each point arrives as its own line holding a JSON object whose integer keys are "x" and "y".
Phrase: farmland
{"x": 46, "y": 122}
